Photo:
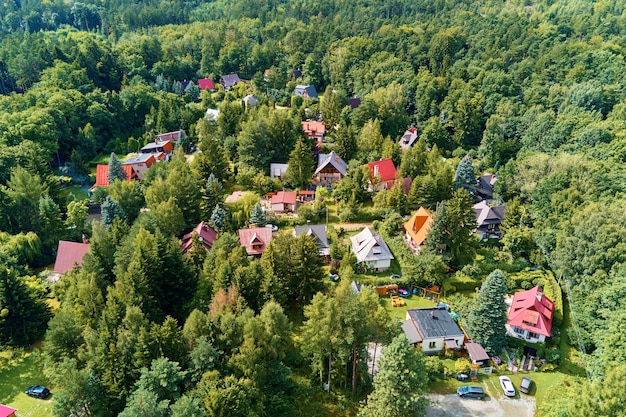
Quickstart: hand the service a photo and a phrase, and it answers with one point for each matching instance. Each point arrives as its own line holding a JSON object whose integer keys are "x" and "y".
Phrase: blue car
{"x": 37, "y": 391}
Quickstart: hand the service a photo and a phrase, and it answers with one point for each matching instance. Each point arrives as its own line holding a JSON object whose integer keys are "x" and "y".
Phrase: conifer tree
{"x": 212, "y": 196}
{"x": 487, "y": 320}
{"x": 257, "y": 217}
{"x": 218, "y": 217}
{"x": 465, "y": 177}
{"x": 345, "y": 142}
{"x": 300, "y": 166}
{"x": 116, "y": 170}
{"x": 109, "y": 211}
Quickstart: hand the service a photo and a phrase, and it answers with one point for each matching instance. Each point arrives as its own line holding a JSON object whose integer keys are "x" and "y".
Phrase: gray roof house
{"x": 488, "y": 220}
{"x": 278, "y": 170}
{"x": 330, "y": 168}
{"x": 307, "y": 91}
{"x": 408, "y": 139}
{"x": 317, "y": 232}
{"x": 371, "y": 250}
{"x": 229, "y": 81}
{"x": 433, "y": 329}
{"x": 484, "y": 186}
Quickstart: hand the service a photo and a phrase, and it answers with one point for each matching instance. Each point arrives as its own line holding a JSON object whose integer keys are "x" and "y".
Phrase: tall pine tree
{"x": 300, "y": 166}
{"x": 465, "y": 177}
{"x": 116, "y": 170}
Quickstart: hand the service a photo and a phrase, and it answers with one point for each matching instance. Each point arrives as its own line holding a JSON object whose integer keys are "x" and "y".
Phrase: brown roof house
{"x": 255, "y": 240}
{"x": 488, "y": 220}
{"x": 69, "y": 255}
{"x": 330, "y": 169}
{"x": 205, "y": 233}
{"x": 417, "y": 228}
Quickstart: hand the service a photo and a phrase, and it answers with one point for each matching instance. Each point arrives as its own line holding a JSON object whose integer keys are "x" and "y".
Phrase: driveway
{"x": 492, "y": 406}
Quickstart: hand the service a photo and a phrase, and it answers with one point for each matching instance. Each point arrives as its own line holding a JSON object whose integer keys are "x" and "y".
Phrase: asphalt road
{"x": 492, "y": 406}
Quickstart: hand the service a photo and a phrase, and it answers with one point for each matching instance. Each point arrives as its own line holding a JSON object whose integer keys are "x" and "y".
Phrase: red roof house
{"x": 205, "y": 233}
{"x": 102, "y": 175}
{"x": 315, "y": 130}
{"x": 205, "y": 83}
{"x": 382, "y": 173}
{"x": 530, "y": 316}
{"x": 6, "y": 411}
{"x": 255, "y": 240}
{"x": 284, "y": 201}
{"x": 69, "y": 254}
{"x": 174, "y": 136}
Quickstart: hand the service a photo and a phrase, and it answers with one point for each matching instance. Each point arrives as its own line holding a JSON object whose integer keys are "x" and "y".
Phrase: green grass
{"x": 17, "y": 374}
{"x": 80, "y": 192}
{"x": 399, "y": 313}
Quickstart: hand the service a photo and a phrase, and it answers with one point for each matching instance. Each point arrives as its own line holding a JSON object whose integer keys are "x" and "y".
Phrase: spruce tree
{"x": 487, "y": 319}
{"x": 345, "y": 142}
{"x": 465, "y": 177}
{"x": 109, "y": 211}
{"x": 116, "y": 170}
{"x": 300, "y": 165}
{"x": 435, "y": 238}
{"x": 212, "y": 196}
{"x": 257, "y": 216}
{"x": 218, "y": 218}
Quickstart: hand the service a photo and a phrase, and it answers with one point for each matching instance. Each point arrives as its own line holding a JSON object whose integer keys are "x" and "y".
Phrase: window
{"x": 518, "y": 330}
{"x": 431, "y": 345}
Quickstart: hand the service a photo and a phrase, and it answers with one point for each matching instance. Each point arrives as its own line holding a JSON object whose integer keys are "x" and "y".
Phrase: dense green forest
{"x": 533, "y": 91}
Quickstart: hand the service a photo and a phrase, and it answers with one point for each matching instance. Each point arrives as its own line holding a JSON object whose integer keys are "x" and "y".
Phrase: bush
{"x": 461, "y": 282}
{"x": 553, "y": 356}
{"x": 434, "y": 367}
{"x": 462, "y": 365}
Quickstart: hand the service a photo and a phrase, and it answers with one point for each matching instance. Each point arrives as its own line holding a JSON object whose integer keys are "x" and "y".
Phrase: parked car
{"x": 471, "y": 391}
{"x": 507, "y": 386}
{"x": 462, "y": 377}
{"x": 525, "y": 385}
{"x": 395, "y": 276}
{"x": 37, "y": 391}
{"x": 272, "y": 226}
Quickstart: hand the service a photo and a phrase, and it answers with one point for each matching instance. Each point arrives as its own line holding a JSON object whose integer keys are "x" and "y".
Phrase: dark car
{"x": 37, "y": 391}
{"x": 525, "y": 385}
{"x": 470, "y": 391}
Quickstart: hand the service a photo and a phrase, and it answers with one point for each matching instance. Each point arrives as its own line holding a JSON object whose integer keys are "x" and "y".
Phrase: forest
{"x": 532, "y": 91}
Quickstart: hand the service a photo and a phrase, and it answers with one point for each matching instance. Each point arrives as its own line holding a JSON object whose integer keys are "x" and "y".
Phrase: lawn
{"x": 17, "y": 374}
{"x": 399, "y": 313}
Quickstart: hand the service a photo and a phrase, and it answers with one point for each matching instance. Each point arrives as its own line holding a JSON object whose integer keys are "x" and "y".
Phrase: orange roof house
{"x": 69, "y": 254}
{"x": 102, "y": 175}
{"x": 530, "y": 316}
{"x": 315, "y": 130}
{"x": 255, "y": 240}
{"x": 417, "y": 228}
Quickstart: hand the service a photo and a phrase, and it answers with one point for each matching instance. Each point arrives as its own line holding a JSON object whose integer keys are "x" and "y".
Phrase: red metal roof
{"x": 206, "y": 83}
{"x": 532, "y": 311}
{"x": 284, "y": 197}
{"x": 102, "y": 175}
{"x": 206, "y": 234}
{"x": 384, "y": 169}
{"x": 255, "y": 240}
{"x": 6, "y": 411}
{"x": 68, "y": 255}
{"x": 313, "y": 128}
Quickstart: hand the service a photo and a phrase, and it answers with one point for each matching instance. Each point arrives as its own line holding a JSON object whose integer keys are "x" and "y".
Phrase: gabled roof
{"x": 278, "y": 170}
{"x": 284, "y": 197}
{"x": 236, "y": 195}
{"x": 142, "y": 158}
{"x": 476, "y": 352}
{"x": 383, "y": 169}
{"x": 205, "y": 233}
{"x": 6, "y": 411}
{"x": 354, "y": 102}
{"x": 305, "y": 91}
{"x": 212, "y": 115}
{"x": 369, "y": 246}
{"x": 486, "y": 215}
{"x": 313, "y": 127}
{"x": 251, "y": 101}
{"x": 257, "y": 235}
{"x": 155, "y": 146}
{"x": 205, "y": 83}
{"x": 173, "y": 136}
{"x": 317, "y": 232}
{"x": 430, "y": 323}
{"x": 69, "y": 254}
{"x": 331, "y": 159}
{"x": 102, "y": 174}
{"x": 418, "y": 225}
{"x": 229, "y": 80}
{"x": 532, "y": 311}
{"x": 408, "y": 138}
{"x": 484, "y": 185}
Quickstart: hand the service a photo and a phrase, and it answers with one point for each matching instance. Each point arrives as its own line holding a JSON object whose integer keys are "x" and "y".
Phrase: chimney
{"x": 85, "y": 239}
{"x": 432, "y": 315}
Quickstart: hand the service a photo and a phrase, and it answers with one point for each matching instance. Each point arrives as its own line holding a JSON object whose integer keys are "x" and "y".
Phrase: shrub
{"x": 462, "y": 365}
{"x": 434, "y": 367}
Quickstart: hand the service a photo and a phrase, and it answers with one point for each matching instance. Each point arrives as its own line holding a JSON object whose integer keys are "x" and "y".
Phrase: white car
{"x": 507, "y": 386}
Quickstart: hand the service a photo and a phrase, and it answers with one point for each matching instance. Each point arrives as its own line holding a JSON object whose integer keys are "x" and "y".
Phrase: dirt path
{"x": 493, "y": 406}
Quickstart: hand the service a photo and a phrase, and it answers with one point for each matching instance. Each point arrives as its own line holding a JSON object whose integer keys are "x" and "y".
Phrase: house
{"x": 306, "y": 196}
{"x": 488, "y": 220}
{"x": 250, "y": 101}
{"x": 330, "y": 169}
{"x": 417, "y": 228}
{"x": 484, "y": 186}
{"x": 171, "y": 136}
{"x": 295, "y": 74}
{"x": 382, "y": 174}
{"x": 236, "y": 195}
{"x": 530, "y": 316}
{"x": 255, "y": 240}
{"x": 69, "y": 255}
{"x": 229, "y": 81}
{"x": 162, "y": 150}
{"x": 102, "y": 175}
{"x": 278, "y": 170}
{"x": 284, "y": 201}
{"x": 140, "y": 163}
{"x": 6, "y": 411}
{"x": 314, "y": 130}
{"x": 212, "y": 115}
{"x": 354, "y": 102}
{"x": 432, "y": 329}
{"x": 478, "y": 355}
{"x": 370, "y": 249}
{"x": 318, "y": 233}
{"x": 409, "y": 138}
{"x": 205, "y": 83}
{"x": 205, "y": 233}
{"x": 306, "y": 91}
